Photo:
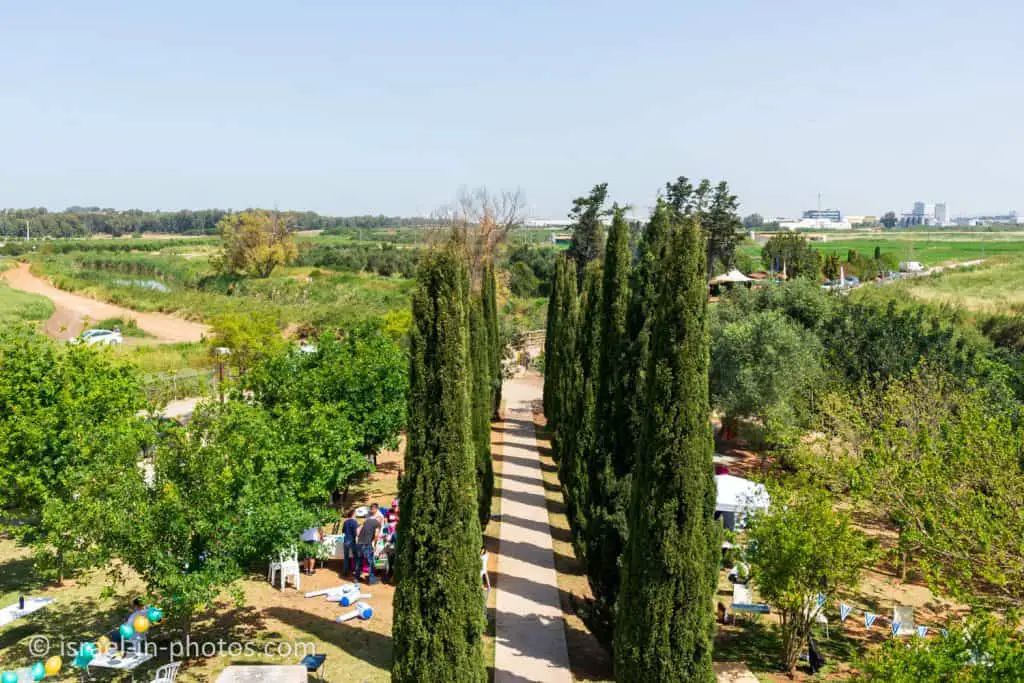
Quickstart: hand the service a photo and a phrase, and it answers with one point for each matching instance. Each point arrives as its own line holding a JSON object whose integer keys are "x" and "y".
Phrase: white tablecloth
{"x": 126, "y": 663}
{"x": 12, "y": 613}
{"x": 264, "y": 674}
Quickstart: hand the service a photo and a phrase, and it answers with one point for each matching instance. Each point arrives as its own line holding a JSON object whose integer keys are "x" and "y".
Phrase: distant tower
{"x": 941, "y": 214}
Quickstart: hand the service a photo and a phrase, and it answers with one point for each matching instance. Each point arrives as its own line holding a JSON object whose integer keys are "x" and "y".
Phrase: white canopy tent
{"x": 737, "y": 497}
{"x": 732, "y": 277}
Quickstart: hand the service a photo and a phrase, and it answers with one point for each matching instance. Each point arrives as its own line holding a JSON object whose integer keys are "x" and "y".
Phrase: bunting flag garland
{"x": 922, "y": 631}
{"x": 896, "y": 627}
{"x": 844, "y": 611}
{"x": 944, "y": 632}
{"x": 821, "y": 600}
{"x": 869, "y": 618}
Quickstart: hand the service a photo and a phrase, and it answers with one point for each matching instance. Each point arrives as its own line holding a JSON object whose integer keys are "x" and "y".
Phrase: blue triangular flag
{"x": 944, "y": 632}
{"x": 869, "y": 618}
{"x": 922, "y": 631}
{"x": 844, "y": 611}
{"x": 821, "y": 600}
{"x": 896, "y": 627}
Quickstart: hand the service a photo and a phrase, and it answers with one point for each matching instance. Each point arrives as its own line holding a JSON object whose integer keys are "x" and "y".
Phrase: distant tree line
{"x": 82, "y": 221}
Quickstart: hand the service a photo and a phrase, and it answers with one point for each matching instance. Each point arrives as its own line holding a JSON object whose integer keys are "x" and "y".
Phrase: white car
{"x": 103, "y": 337}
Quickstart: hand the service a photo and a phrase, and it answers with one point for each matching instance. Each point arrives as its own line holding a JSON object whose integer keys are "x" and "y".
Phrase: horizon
{"x": 389, "y": 110}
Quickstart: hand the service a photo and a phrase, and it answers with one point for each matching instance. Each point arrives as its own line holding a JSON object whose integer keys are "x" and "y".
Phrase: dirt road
{"x": 74, "y": 312}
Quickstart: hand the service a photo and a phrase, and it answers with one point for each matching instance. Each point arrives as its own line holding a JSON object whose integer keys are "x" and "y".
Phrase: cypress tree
{"x": 664, "y": 622}
{"x": 550, "y": 334}
{"x": 496, "y": 348}
{"x": 438, "y": 616}
{"x": 562, "y": 362}
{"x": 482, "y": 399}
{"x": 610, "y": 471}
{"x": 580, "y": 412}
{"x": 638, "y": 327}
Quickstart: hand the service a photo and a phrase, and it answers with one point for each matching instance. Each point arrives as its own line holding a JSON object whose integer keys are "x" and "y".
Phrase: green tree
{"x": 255, "y": 243}
{"x": 521, "y": 281}
{"x": 249, "y": 338}
{"x": 723, "y": 228}
{"x": 767, "y": 367}
{"x": 715, "y": 207}
{"x": 587, "y": 230}
{"x": 831, "y": 267}
{"x": 889, "y": 220}
{"x": 186, "y": 522}
{"x": 940, "y": 459}
{"x": 801, "y": 549}
{"x": 495, "y": 343}
{"x": 358, "y": 380}
{"x": 609, "y": 471}
{"x": 792, "y": 254}
{"x": 665, "y": 622}
{"x": 578, "y": 426}
{"x": 982, "y": 650}
{"x": 639, "y": 319}
{"x": 438, "y": 600}
{"x": 482, "y": 405}
{"x": 64, "y": 409}
{"x": 878, "y": 253}
{"x": 560, "y": 358}
{"x": 754, "y": 220}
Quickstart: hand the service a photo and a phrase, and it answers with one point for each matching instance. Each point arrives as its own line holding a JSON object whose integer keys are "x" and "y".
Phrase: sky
{"x": 349, "y": 107}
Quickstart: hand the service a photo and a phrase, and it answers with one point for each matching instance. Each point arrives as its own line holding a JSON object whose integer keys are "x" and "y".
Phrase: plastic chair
{"x": 287, "y": 565}
{"x": 484, "y": 576}
{"x": 167, "y": 673}
{"x": 313, "y": 664}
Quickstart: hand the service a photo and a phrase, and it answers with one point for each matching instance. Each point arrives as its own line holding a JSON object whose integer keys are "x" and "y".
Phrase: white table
{"x": 264, "y": 674}
{"x": 129, "y": 662}
{"x": 12, "y": 613}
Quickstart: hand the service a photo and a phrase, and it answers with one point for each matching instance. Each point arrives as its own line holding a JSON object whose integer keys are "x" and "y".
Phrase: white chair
{"x": 167, "y": 673}
{"x": 287, "y": 565}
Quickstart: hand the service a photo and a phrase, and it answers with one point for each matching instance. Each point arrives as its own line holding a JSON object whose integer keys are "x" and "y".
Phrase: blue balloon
{"x": 38, "y": 671}
{"x": 366, "y": 613}
{"x": 155, "y": 614}
{"x": 9, "y": 677}
{"x": 126, "y": 630}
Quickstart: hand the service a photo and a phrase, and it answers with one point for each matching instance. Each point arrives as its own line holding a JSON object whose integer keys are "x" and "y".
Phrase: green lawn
{"x": 17, "y": 306}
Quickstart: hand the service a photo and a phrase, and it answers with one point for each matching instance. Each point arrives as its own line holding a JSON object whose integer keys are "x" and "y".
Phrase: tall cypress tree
{"x": 580, "y": 412}
{"x": 664, "y": 623}
{"x": 639, "y": 319}
{"x": 496, "y": 349}
{"x": 609, "y": 472}
{"x": 562, "y": 363}
{"x": 550, "y": 334}
{"x": 482, "y": 400}
{"x": 438, "y": 616}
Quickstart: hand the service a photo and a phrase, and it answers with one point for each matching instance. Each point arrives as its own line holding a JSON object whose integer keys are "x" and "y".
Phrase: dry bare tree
{"x": 483, "y": 220}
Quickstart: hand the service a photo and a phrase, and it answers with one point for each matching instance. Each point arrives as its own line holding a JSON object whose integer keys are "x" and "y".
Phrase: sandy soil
{"x": 74, "y": 312}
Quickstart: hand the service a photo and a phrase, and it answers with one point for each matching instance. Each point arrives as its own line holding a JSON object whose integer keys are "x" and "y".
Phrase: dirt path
{"x": 530, "y": 633}
{"x": 74, "y": 312}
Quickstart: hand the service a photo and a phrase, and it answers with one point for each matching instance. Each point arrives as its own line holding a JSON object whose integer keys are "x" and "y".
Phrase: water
{"x": 147, "y": 284}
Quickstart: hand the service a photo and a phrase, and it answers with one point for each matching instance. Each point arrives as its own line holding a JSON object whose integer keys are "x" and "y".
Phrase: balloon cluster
{"x": 87, "y": 651}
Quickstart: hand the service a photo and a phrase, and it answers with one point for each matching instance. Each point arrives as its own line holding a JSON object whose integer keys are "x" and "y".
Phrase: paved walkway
{"x": 530, "y": 630}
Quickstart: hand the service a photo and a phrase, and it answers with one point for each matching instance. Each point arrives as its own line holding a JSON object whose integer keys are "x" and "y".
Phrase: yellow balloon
{"x": 103, "y": 644}
{"x": 53, "y": 665}
{"x": 141, "y": 624}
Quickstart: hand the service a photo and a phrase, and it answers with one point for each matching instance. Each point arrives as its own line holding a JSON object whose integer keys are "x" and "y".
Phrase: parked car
{"x": 103, "y": 337}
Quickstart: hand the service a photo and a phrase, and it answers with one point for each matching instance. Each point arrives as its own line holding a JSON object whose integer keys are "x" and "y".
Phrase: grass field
{"x": 995, "y": 287}
{"x": 17, "y": 307}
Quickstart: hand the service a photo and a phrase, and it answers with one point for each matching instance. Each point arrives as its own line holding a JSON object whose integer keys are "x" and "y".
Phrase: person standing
{"x": 349, "y": 558}
{"x": 366, "y": 541}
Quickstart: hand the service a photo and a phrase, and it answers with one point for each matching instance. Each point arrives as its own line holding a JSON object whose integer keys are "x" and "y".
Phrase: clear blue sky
{"x": 352, "y": 107}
